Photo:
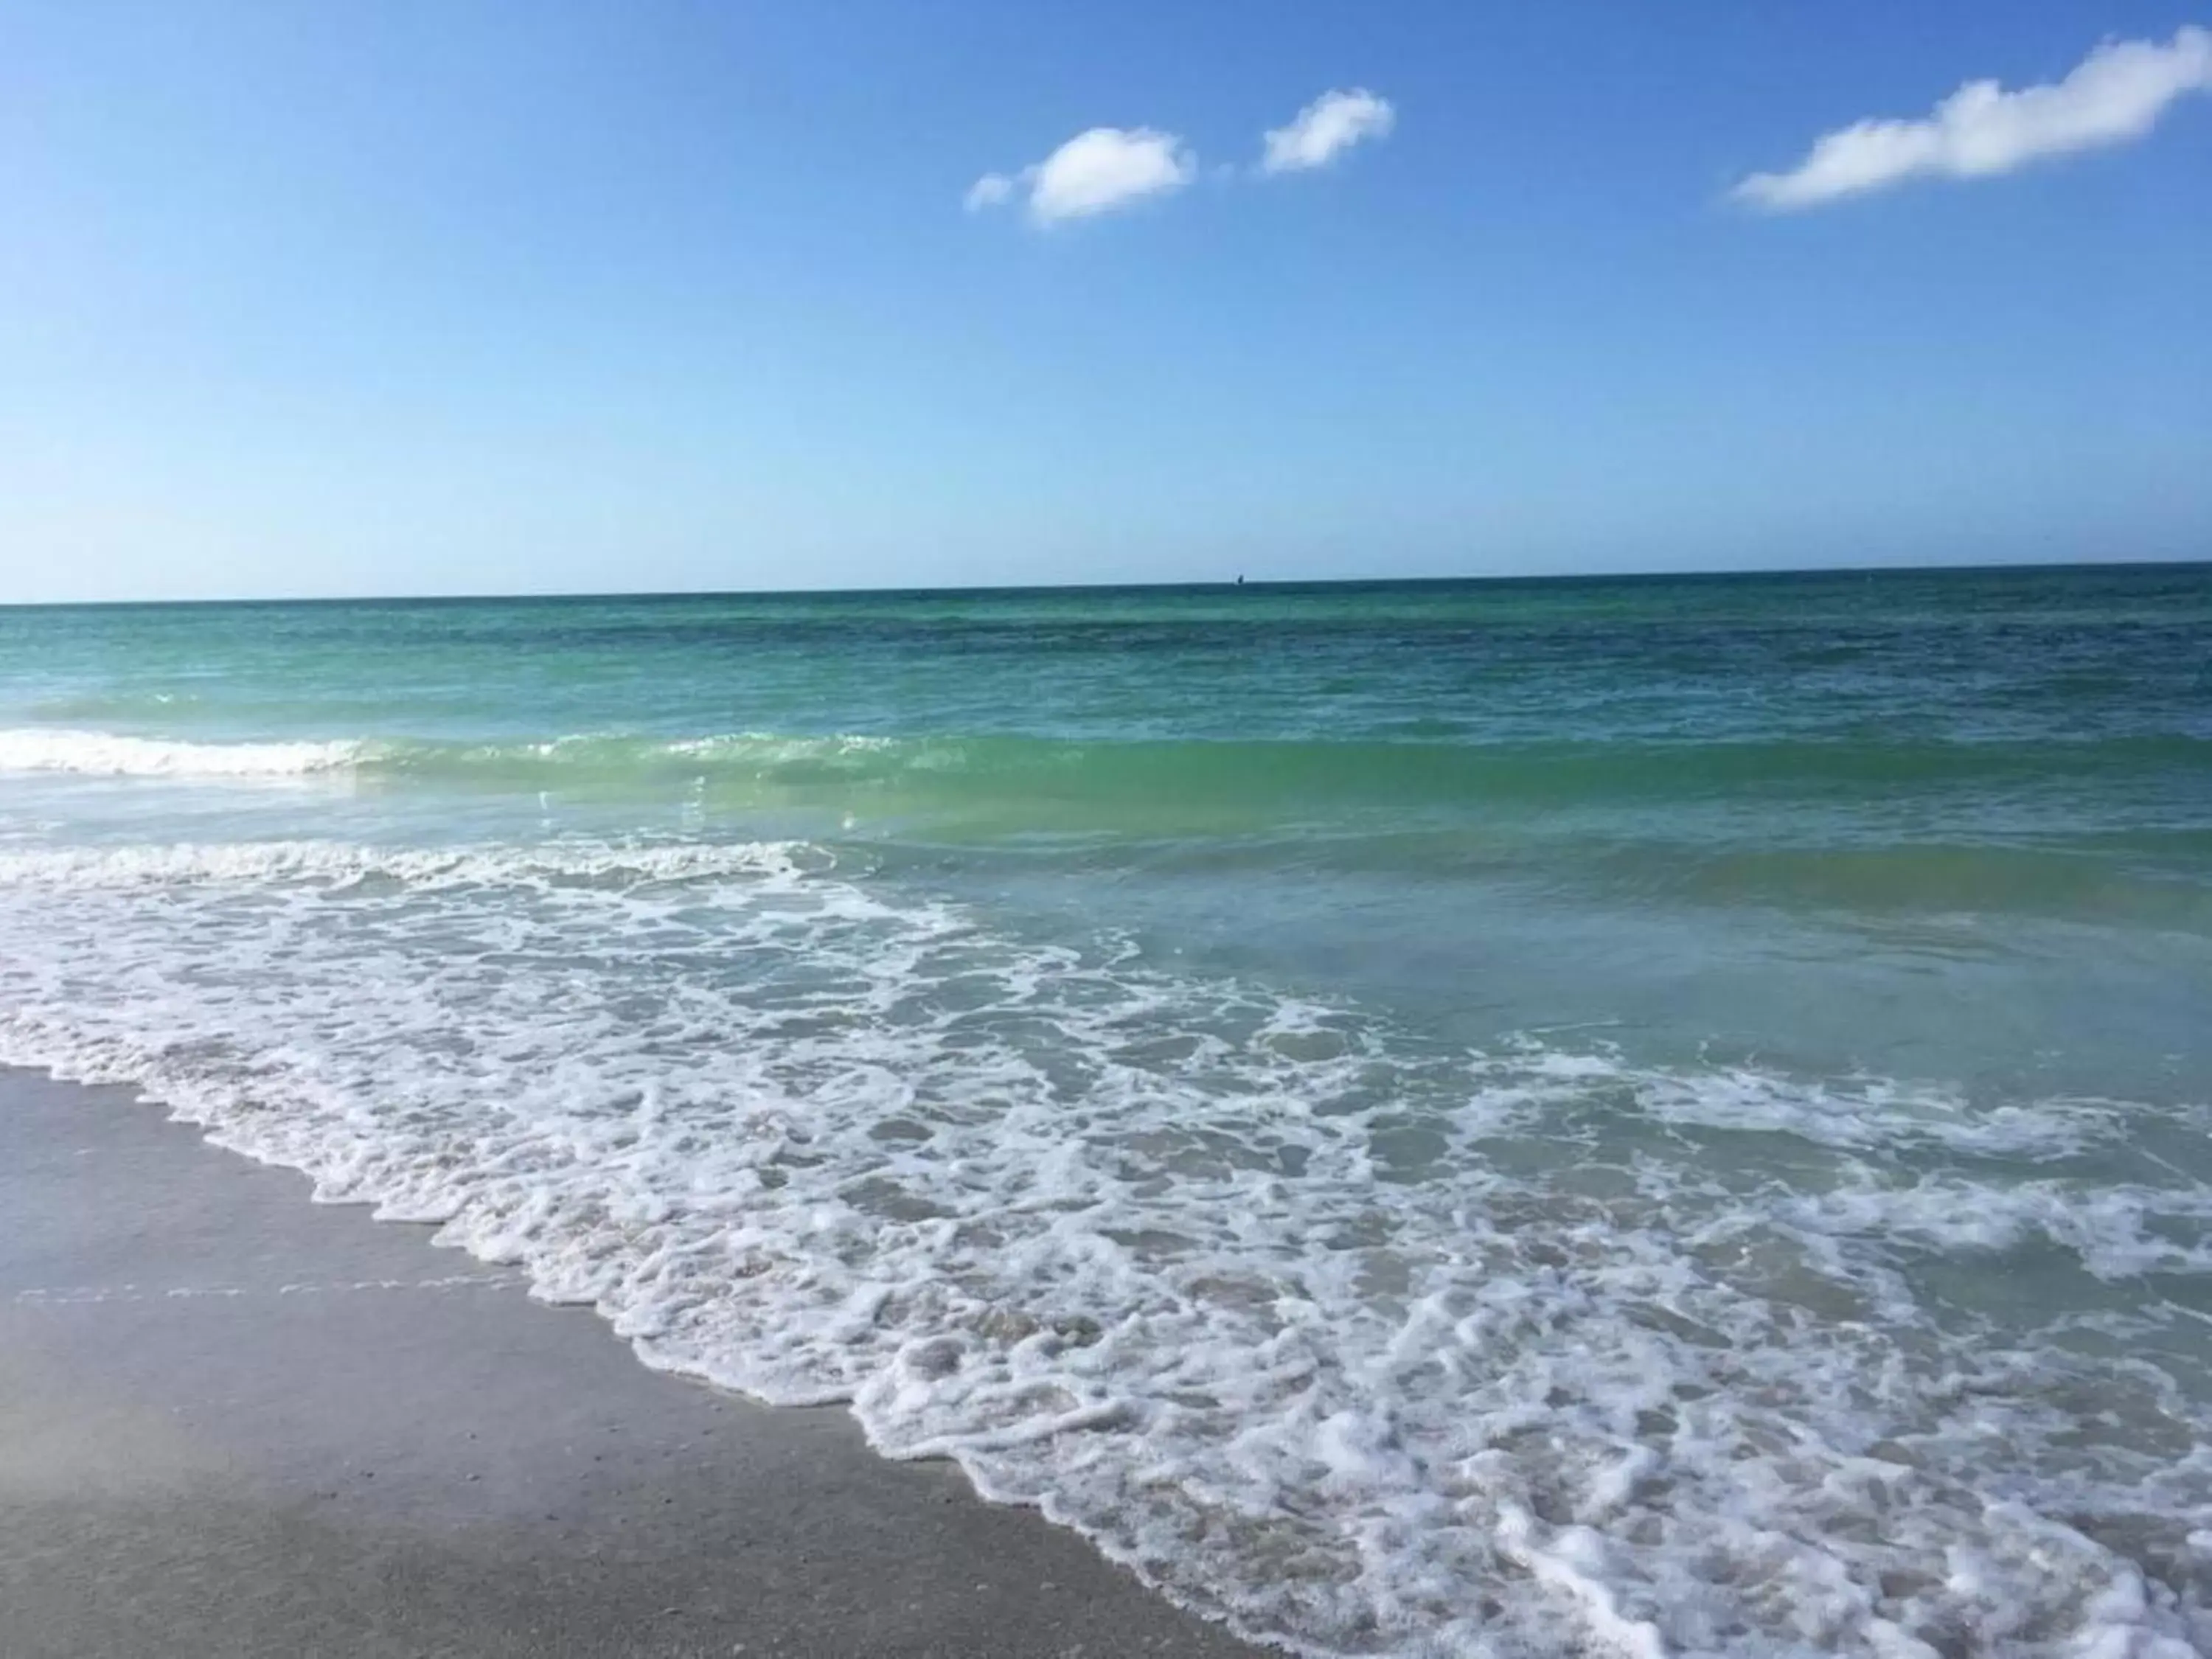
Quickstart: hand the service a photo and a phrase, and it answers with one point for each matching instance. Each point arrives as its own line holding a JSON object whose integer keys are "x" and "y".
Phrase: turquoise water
{"x": 1429, "y": 1118}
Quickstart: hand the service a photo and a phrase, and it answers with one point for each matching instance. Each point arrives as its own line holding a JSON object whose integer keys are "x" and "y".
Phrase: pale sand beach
{"x": 236, "y": 1423}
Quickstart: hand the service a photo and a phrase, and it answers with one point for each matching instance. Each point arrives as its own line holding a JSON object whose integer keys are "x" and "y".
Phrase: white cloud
{"x": 988, "y": 192}
{"x": 2115, "y": 94}
{"x": 1105, "y": 167}
{"x": 1332, "y": 124}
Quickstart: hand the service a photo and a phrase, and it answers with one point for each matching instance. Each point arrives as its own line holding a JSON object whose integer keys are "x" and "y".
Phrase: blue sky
{"x": 446, "y": 297}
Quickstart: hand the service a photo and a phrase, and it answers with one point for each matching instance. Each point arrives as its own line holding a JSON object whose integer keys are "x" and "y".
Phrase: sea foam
{"x": 108, "y": 754}
{"x": 1369, "y": 1344}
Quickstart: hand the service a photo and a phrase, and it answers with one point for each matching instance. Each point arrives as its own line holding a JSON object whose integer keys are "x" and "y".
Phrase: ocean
{"x": 1656, "y": 1115}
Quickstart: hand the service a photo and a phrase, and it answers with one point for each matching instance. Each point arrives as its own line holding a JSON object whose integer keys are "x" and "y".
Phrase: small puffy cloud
{"x": 990, "y": 190}
{"x": 1105, "y": 167}
{"x": 1326, "y": 127}
{"x": 2116, "y": 94}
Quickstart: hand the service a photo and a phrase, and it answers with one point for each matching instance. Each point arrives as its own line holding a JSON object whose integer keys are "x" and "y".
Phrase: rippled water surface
{"x": 1520, "y": 1118}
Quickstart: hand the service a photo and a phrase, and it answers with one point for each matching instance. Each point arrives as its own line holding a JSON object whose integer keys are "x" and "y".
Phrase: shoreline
{"x": 236, "y": 1422}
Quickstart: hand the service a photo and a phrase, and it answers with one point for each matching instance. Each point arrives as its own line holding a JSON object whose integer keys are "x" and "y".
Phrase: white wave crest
{"x": 338, "y": 864}
{"x": 113, "y": 755}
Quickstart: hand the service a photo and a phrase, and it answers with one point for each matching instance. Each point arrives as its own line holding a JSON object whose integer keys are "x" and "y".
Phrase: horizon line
{"x": 1229, "y": 584}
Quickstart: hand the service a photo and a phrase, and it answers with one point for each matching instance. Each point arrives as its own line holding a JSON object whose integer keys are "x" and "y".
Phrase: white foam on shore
{"x": 1372, "y": 1346}
{"x": 111, "y": 869}
{"x": 108, "y": 754}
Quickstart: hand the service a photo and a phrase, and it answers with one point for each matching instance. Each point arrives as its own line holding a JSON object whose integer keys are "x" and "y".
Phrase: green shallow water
{"x": 1820, "y": 771}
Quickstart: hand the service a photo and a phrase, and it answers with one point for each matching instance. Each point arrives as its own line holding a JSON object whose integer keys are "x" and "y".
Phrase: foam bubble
{"x": 1852, "y": 1113}
{"x": 1369, "y": 1344}
{"x": 2116, "y": 1233}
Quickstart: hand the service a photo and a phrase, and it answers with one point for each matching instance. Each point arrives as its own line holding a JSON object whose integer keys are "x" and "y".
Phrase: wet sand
{"x": 235, "y": 1423}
